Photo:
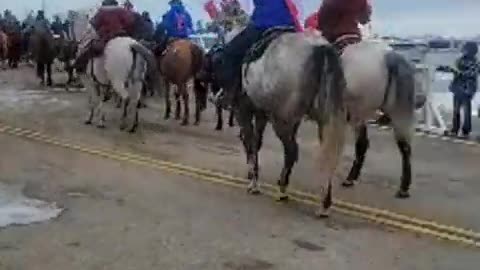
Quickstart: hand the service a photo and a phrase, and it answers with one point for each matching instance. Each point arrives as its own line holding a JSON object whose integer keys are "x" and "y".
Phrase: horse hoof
{"x": 197, "y": 123}
{"x": 401, "y": 194}
{"x": 253, "y": 191}
{"x": 348, "y": 183}
{"x": 88, "y": 122}
{"x": 322, "y": 213}
{"x": 101, "y": 126}
{"x": 282, "y": 197}
{"x": 184, "y": 123}
{"x": 132, "y": 130}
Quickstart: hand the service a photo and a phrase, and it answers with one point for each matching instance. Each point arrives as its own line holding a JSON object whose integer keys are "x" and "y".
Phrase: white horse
{"x": 123, "y": 68}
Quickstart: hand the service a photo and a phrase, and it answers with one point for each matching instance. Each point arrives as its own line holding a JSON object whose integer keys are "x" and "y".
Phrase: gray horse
{"x": 297, "y": 76}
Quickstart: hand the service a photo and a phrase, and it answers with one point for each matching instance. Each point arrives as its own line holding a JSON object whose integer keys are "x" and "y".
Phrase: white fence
{"x": 431, "y": 119}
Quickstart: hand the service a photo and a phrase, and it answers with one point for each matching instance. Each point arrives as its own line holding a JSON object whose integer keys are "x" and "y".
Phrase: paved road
{"x": 116, "y": 209}
{"x": 121, "y": 216}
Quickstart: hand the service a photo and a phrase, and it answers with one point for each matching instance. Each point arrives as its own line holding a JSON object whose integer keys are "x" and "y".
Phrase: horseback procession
{"x": 265, "y": 68}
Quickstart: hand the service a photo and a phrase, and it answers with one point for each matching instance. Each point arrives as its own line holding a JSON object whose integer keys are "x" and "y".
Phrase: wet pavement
{"x": 171, "y": 222}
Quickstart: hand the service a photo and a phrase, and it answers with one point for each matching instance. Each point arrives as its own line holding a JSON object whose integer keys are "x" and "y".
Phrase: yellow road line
{"x": 380, "y": 216}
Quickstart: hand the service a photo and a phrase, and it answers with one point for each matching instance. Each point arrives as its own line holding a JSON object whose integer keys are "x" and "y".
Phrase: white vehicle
{"x": 205, "y": 41}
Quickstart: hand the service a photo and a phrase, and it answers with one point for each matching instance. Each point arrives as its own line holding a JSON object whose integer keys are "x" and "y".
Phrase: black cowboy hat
{"x": 109, "y": 3}
{"x": 171, "y": 2}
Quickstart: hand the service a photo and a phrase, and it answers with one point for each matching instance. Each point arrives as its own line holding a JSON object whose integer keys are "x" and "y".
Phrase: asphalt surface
{"x": 124, "y": 216}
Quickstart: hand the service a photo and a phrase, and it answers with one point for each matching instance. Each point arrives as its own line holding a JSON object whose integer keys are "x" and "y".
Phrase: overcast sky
{"x": 400, "y": 17}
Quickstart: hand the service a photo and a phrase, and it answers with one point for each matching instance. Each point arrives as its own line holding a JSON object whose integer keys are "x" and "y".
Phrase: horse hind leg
{"x": 136, "y": 90}
{"x": 219, "y": 113}
{"x": 287, "y": 135}
{"x": 231, "y": 119}
{"x": 168, "y": 103}
{"x": 361, "y": 146}
{"x": 201, "y": 93}
{"x": 178, "y": 104}
{"x": 250, "y": 144}
{"x": 402, "y": 126}
{"x": 186, "y": 104}
{"x": 49, "y": 74}
{"x": 119, "y": 88}
{"x": 41, "y": 72}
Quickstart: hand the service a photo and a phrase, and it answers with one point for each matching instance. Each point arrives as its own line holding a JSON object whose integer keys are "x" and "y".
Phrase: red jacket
{"x": 110, "y": 22}
{"x": 340, "y": 17}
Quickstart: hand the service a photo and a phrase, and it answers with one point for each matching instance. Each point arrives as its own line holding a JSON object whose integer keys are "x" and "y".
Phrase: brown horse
{"x": 179, "y": 63}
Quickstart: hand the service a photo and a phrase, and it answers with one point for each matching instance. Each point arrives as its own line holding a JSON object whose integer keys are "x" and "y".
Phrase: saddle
{"x": 168, "y": 43}
{"x": 259, "y": 47}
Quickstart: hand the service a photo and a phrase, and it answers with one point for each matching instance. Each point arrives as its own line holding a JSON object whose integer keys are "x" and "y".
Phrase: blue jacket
{"x": 271, "y": 13}
{"x": 177, "y": 22}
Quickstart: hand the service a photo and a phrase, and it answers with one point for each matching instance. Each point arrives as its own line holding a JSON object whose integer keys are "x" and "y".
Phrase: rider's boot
{"x": 81, "y": 62}
{"x": 226, "y": 97}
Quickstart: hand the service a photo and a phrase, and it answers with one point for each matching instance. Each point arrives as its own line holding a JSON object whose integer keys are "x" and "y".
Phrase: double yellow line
{"x": 375, "y": 215}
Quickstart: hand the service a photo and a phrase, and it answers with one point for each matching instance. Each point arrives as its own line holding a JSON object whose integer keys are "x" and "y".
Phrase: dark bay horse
{"x": 43, "y": 52}
{"x": 209, "y": 81}
{"x": 15, "y": 48}
{"x": 66, "y": 51}
{"x": 180, "y": 62}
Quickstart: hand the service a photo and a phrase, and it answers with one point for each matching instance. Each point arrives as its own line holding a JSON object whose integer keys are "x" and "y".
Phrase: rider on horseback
{"x": 57, "y": 27}
{"x": 111, "y": 21}
{"x": 338, "y": 21}
{"x": 267, "y": 14}
{"x": 41, "y": 24}
{"x": 177, "y": 21}
{"x": 147, "y": 28}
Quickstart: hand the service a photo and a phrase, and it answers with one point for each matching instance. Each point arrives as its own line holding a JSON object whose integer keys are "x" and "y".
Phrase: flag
{"x": 212, "y": 8}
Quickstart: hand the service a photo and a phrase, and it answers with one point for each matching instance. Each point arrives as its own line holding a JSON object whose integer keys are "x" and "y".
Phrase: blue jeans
{"x": 233, "y": 55}
{"x": 462, "y": 102}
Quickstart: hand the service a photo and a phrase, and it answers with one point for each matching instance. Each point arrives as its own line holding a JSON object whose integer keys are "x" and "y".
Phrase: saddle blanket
{"x": 259, "y": 47}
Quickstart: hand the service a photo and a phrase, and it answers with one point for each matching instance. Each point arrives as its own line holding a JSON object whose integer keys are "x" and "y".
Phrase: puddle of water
{"x": 16, "y": 209}
{"x": 25, "y": 99}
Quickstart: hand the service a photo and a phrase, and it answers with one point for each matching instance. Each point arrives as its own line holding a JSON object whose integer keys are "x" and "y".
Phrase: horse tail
{"x": 400, "y": 96}
{"x": 152, "y": 70}
{"x": 330, "y": 103}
